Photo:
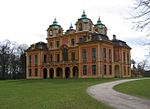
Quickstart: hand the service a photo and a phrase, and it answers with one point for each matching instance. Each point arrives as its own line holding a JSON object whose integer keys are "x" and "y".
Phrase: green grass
{"x": 140, "y": 88}
{"x": 49, "y": 94}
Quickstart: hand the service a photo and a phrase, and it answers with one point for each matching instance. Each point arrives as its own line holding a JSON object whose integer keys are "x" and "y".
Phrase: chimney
{"x": 114, "y": 37}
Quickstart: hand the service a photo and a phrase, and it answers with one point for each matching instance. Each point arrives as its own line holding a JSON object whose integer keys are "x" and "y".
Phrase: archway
{"x": 51, "y": 73}
{"x": 45, "y": 73}
{"x": 75, "y": 71}
{"x": 59, "y": 72}
{"x": 67, "y": 72}
{"x": 117, "y": 74}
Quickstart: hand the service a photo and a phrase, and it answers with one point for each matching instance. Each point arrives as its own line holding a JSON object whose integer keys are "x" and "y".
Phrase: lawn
{"x": 49, "y": 94}
{"x": 140, "y": 88}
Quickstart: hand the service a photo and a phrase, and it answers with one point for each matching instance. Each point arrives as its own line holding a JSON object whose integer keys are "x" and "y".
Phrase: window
{"x": 30, "y": 59}
{"x": 84, "y": 55}
{"x": 45, "y": 58}
{"x": 124, "y": 57}
{"x": 36, "y": 72}
{"x": 81, "y": 40}
{"x": 90, "y": 27}
{"x": 51, "y": 44}
{"x": 104, "y": 50}
{"x": 72, "y": 42}
{"x": 110, "y": 55}
{"x": 73, "y": 56}
{"x": 105, "y": 69}
{"x": 94, "y": 69}
{"x": 57, "y": 58}
{"x": 84, "y": 38}
{"x": 51, "y": 33}
{"x": 80, "y": 26}
{"x": 59, "y": 31}
{"x": 57, "y": 44}
{"x": 30, "y": 72}
{"x": 124, "y": 70}
{"x": 84, "y": 70}
{"x": 128, "y": 61}
{"x": 128, "y": 70}
{"x": 65, "y": 54}
{"x": 36, "y": 60}
{"x": 93, "y": 54}
{"x": 110, "y": 69}
{"x": 51, "y": 57}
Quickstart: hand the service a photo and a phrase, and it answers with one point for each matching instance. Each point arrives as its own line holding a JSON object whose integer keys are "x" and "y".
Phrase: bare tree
{"x": 141, "y": 14}
{"x": 5, "y": 51}
{"x": 12, "y": 60}
{"x": 22, "y": 61}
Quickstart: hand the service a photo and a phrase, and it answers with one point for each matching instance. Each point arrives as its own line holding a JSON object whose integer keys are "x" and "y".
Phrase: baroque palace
{"x": 84, "y": 52}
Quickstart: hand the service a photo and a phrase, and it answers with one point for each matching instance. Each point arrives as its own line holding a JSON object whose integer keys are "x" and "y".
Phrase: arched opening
{"x": 59, "y": 72}
{"x": 67, "y": 72}
{"x": 117, "y": 74}
{"x": 75, "y": 71}
{"x": 80, "y": 26}
{"x": 45, "y": 73}
{"x": 51, "y": 73}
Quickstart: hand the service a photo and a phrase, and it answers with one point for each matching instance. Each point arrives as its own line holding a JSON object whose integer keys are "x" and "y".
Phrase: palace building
{"x": 83, "y": 52}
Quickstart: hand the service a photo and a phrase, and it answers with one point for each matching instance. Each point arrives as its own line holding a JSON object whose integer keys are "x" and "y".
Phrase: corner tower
{"x": 100, "y": 27}
{"x": 54, "y": 30}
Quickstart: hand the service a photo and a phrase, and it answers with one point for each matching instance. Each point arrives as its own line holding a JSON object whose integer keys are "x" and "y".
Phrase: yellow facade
{"x": 84, "y": 52}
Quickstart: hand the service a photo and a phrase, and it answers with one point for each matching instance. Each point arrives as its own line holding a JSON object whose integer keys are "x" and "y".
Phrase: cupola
{"x": 84, "y": 23}
{"x": 54, "y": 29}
{"x": 100, "y": 28}
{"x": 70, "y": 30}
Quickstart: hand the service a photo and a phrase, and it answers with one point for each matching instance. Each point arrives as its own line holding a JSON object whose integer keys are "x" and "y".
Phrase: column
{"x": 55, "y": 73}
{"x": 63, "y": 72}
{"x": 99, "y": 57}
{"x": 48, "y": 73}
{"x": 71, "y": 72}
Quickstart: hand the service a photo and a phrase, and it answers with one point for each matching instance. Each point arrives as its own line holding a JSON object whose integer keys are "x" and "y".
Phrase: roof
{"x": 94, "y": 37}
{"x": 55, "y": 25}
{"x": 120, "y": 43}
{"x": 38, "y": 46}
{"x": 84, "y": 18}
{"x": 99, "y": 24}
{"x": 70, "y": 29}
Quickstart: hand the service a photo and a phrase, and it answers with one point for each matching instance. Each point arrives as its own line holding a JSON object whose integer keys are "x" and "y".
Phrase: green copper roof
{"x": 55, "y": 24}
{"x": 84, "y": 18}
{"x": 71, "y": 27}
{"x": 84, "y": 15}
{"x": 99, "y": 23}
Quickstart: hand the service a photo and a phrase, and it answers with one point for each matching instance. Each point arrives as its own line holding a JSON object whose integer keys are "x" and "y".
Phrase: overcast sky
{"x": 26, "y": 21}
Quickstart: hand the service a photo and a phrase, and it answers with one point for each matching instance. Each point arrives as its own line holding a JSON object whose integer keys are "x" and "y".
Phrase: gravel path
{"x": 105, "y": 93}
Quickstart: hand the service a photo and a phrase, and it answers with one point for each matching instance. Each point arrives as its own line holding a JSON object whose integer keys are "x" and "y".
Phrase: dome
{"x": 55, "y": 24}
{"x": 100, "y": 24}
{"x": 84, "y": 18}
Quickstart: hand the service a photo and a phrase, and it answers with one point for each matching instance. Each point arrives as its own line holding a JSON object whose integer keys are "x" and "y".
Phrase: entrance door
{"x": 75, "y": 71}
{"x": 45, "y": 73}
{"x": 51, "y": 73}
{"x": 67, "y": 72}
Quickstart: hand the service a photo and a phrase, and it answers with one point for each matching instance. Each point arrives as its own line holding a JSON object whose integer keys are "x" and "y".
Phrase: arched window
{"x": 90, "y": 27}
{"x": 80, "y": 26}
{"x": 72, "y": 42}
{"x": 59, "y": 31}
{"x": 65, "y": 54}
{"x": 50, "y": 33}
